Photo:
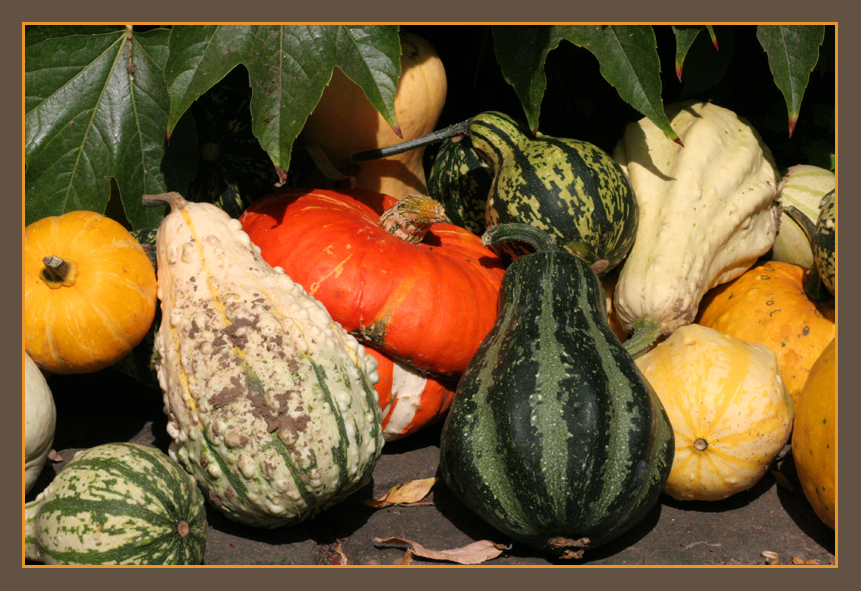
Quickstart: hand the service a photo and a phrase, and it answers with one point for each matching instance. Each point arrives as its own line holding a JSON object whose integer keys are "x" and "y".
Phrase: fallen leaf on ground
{"x": 771, "y": 557}
{"x": 54, "y": 456}
{"x": 783, "y": 481}
{"x": 474, "y": 553}
{"x": 799, "y": 560}
{"x": 405, "y": 493}
{"x": 339, "y": 550}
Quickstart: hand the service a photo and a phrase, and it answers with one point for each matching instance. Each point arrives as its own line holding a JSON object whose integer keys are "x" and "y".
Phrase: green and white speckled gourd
{"x": 708, "y": 210}
{"x": 117, "y": 503}
{"x": 270, "y": 403}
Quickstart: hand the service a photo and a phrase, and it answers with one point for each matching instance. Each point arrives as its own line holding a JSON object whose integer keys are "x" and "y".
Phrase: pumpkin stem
{"x": 412, "y": 216}
{"x": 174, "y": 199}
{"x": 461, "y": 128}
{"x": 59, "y": 273}
{"x": 646, "y": 333}
{"x": 519, "y": 232}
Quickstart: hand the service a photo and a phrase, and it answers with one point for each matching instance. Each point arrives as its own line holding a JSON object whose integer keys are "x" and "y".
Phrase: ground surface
{"x": 107, "y": 407}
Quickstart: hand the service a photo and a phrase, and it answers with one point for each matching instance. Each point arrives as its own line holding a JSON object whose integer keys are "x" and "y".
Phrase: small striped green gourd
{"x": 460, "y": 179}
{"x": 271, "y": 404}
{"x": 117, "y": 503}
{"x": 554, "y": 436}
{"x": 568, "y": 188}
{"x": 824, "y": 242}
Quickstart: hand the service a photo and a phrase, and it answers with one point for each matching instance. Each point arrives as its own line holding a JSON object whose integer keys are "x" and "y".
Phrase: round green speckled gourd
{"x": 571, "y": 189}
{"x": 823, "y": 243}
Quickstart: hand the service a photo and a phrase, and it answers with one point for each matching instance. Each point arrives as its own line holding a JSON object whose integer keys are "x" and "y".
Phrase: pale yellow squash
{"x": 345, "y": 122}
{"x": 730, "y": 411}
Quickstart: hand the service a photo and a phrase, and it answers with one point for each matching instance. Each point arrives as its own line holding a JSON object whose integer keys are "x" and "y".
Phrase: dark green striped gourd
{"x": 460, "y": 179}
{"x": 118, "y": 503}
{"x": 823, "y": 242}
{"x": 569, "y": 188}
{"x": 554, "y": 437}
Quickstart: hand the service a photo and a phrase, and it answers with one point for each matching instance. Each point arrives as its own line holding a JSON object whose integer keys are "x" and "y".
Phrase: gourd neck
{"x": 58, "y": 272}
{"x": 412, "y": 216}
{"x": 174, "y": 199}
{"x": 519, "y": 232}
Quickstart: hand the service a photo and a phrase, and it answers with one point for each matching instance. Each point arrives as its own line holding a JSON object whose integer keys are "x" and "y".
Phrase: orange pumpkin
{"x": 89, "y": 292}
{"x": 814, "y": 440}
{"x": 767, "y": 305}
{"x": 428, "y": 302}
{"x": 409, "y": 398}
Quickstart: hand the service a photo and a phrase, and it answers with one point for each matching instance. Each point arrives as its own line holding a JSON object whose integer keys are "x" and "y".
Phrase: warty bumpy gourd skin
{"x": 270, "y": 402}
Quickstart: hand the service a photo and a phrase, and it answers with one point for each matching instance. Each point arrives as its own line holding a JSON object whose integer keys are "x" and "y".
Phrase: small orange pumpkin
{"x": 814, "y": 440}
{"x": 767, "y": 305}
{"x": 89, "y": 292}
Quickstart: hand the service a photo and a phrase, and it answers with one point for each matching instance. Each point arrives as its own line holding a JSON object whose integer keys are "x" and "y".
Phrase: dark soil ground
{"x": 108, "y": 407}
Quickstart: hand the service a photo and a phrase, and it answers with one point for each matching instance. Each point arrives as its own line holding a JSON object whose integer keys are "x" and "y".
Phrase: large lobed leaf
{"x": 95, "y": 108}
{"x": 288, "y": 66}
{"x": 103, "y": 101}
{"x": 627, "y": 56}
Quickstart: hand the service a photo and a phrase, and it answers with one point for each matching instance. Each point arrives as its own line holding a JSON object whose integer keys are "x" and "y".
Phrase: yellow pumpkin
{"x": 767, "y": 305}
{"x": 89, "y": 292}
{"x": 814, "y": 440}
{"x": 730, "y": 411}
{"x": 345, "y": 122}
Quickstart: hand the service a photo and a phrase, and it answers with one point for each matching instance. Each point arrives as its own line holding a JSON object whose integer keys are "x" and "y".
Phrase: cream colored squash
{"x": 804, "y": 186}
{"x": 345, "y": 122}
{"x": 40, "y": 421}
{"x": 708, "y": 210}
{"x": 730, "y": 411}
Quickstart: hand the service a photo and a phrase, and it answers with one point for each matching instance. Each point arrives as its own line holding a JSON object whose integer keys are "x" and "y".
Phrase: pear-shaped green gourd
{"x": 554, "y": 437}
{"x": 570, "y": 189}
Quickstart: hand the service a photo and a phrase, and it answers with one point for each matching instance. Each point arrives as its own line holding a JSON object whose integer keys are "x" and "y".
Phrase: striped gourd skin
{"x": 270, "y": 403}
{"x": 824, "y": 242}
{"x": 571, "y": 189}
{"x": 460, "y": 179}
{"x": 118, "y": 503}
{"x": 553, "y": 432}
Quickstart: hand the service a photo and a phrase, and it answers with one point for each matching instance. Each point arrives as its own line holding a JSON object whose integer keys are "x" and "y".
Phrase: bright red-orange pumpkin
{"x": 409, "y": 399}
{"x": 428, "y": 304}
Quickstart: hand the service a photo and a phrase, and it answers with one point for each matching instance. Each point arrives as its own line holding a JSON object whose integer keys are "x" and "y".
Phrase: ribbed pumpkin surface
{"x": 427, "y": 304}
{"x": 730, "y": 411}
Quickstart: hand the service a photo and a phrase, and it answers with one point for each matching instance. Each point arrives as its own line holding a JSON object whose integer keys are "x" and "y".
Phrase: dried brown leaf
{"x": 405, "y": 493}
{"x": 54, "y": 456}
{"x": 339, "y": 550}
{"x": 783, "y": 481}
{"x": 771, "y": 557}
{"x": 799, "y": 560}
{"x": 474, "y": 553}
{"x": 408, "y": 557}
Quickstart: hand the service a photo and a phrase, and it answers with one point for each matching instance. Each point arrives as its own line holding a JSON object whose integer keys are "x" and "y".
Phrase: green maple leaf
{"x": 96, "y": 108}
{"x": 627, "y": 56}
{"x": 288, "y": 67}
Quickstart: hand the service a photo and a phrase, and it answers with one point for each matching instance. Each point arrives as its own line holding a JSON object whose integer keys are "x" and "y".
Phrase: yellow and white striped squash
{"x": 730, "y": 411}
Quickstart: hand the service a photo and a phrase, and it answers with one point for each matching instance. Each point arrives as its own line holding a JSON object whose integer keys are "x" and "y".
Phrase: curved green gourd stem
{"x": 461, "y": 128}
{"x": 814, "y": 288}
{"x": 519, "y": 232}
{"x": 646, "y": 333}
